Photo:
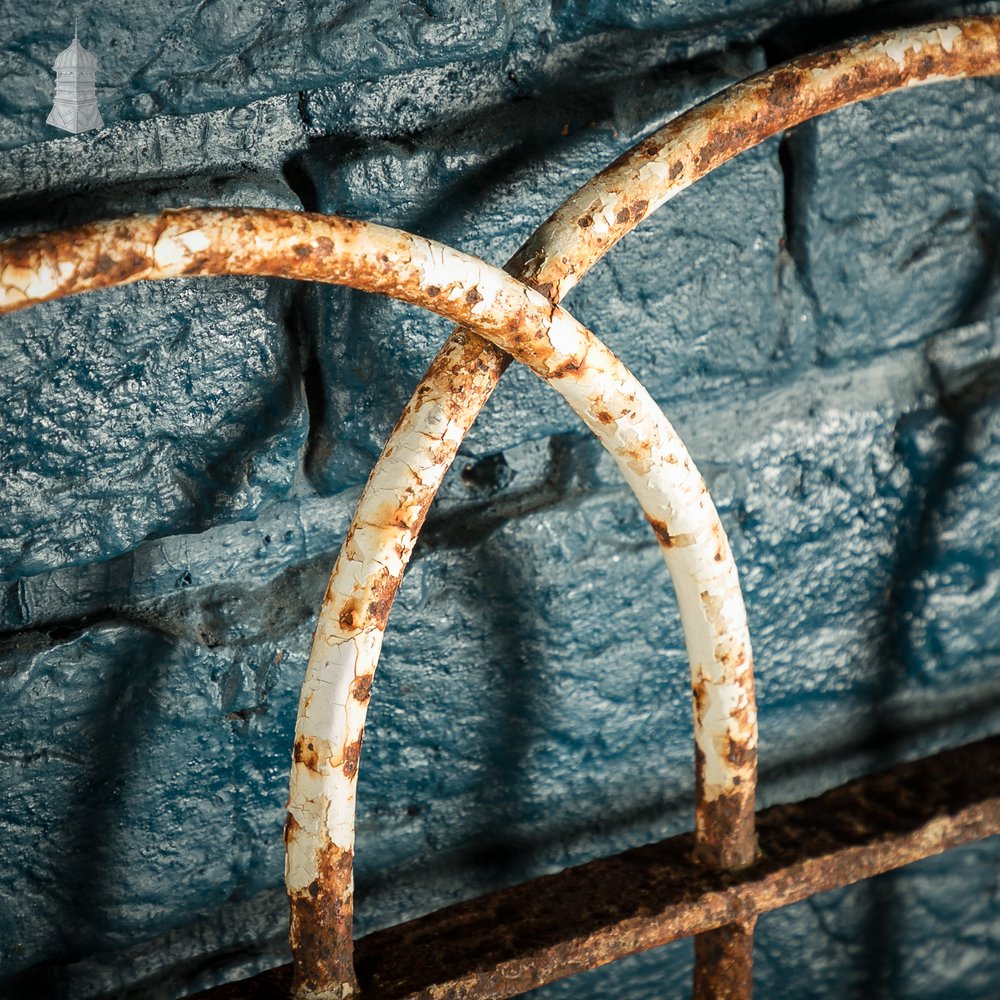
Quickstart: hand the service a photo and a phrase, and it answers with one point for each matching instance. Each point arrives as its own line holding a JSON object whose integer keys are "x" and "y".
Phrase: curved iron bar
{"x": 335, "y": 694}
{"x": 553, "y": 260}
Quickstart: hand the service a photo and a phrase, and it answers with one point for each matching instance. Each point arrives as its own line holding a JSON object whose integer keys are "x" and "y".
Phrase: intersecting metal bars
{"x": 548, "y": 928}
{"x": 553, "y": 261}
{"x": 653, "y": 460}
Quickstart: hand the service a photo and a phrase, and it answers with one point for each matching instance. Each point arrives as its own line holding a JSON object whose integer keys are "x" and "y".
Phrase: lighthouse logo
{"x": 75, "y": 108}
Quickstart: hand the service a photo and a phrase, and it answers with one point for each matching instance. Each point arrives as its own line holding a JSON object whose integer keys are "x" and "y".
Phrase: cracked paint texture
{"x": 180, "y": 463}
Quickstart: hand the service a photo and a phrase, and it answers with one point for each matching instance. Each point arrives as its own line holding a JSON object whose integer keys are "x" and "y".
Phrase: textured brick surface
{"x": 179, "y": 462}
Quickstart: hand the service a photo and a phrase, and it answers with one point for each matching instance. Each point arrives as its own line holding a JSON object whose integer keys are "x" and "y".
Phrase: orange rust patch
{"x": 322, "y": 920}
{"x": 383, "y": 593}
{"x": 566, "y": 370}
{"x": 352, "y": 754}
{"x": 305, "y": 752}
{"x": 109, "y": 270}
{"x": 361, "y": 688}
{"x": 213, "y": 261}
{"x": 349, "y": 615}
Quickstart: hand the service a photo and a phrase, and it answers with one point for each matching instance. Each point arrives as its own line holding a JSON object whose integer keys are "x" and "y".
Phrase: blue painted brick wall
{"x": 179, "y": 462}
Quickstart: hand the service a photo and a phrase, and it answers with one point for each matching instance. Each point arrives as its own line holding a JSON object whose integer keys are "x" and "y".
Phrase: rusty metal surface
{"x": 552, "y": 261}
{"x": 514, "y": 940}
{"x": 620, "y": 197}
{"x": 200, "y": 242}
{"x": 723, "y": 963}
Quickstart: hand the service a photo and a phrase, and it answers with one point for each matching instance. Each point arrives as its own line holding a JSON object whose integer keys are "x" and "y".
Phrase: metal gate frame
{"x": 712, "y": 883}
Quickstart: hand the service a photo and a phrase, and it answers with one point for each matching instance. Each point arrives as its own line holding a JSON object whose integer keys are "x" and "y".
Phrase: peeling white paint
{"x": 169, "y": 252}
{"x": 43, "y": 282}
{"x": 947, "y": 36}
{"x": 898, "y": 46}
{"x": 194, "y": 241}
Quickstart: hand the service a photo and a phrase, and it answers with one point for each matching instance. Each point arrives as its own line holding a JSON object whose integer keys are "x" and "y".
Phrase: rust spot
{"x": 567, "y": 369}
{"x": 305, "y": 752}
{"x": 302, "y": 249}
{"x": 212, "y": 261}
{"x": 585, "y": 221}
{"x": 349, "y": 615}
{"x": 433, "y": 291}
{"x": 665, "y": 538}
{"x": 604, "y": 417}
{"x": 111, "y": 269}
{"x": 472, "y": 296}
{"x": 786, "y": 85}
{"x": 638, "y": 209}
{"x": 352, "y": 754}
{"x": 292, "y": 828}
{"x": 383, "y": 588}
{"x": 676, "y": 169}
{"x": 740, "y": 755}
{"x": 622, "y": 217}
{"x": 700, "y": 699}
{"x": 515, "y": 322}
{"x": 361, "y": 688}
{"x": 661, "y": 531}
{"x": 548, "y": 289}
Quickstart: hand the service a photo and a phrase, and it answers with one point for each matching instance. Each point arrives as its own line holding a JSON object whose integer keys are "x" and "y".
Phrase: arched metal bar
{"x": 335, "y": 694}
{"x": 563, "y": 249}
{"x": 553, "y": 260}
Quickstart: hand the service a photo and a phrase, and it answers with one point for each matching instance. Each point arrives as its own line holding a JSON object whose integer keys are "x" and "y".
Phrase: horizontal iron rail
{"x": 514, "y": 940}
